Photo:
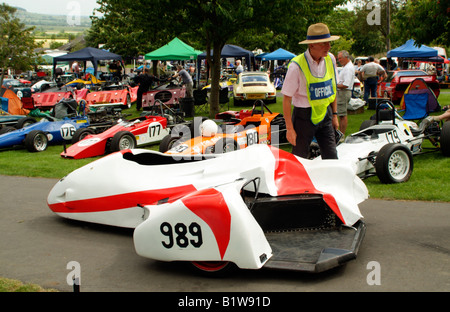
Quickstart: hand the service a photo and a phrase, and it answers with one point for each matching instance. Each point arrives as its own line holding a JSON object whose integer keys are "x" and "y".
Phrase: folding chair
{"x": 200, "y": 101}
{"x": 415, "y": 106}
{"x": 224, "y": 99}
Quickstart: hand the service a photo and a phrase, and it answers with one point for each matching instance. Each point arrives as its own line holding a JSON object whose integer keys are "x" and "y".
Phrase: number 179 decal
{"x": 392, "y": 137}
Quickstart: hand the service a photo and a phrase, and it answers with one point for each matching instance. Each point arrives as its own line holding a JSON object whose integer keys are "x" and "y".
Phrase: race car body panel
{"x": 200, "y": 210}
{"x": 209, "y": 235}
{"x": 170, "y": 94}
{"x": 108, "y": 98}
{"x": 147, "y": 130}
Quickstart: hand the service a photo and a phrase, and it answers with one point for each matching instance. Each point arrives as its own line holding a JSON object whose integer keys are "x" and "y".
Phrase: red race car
{"x": 126, "y": 134}
{"x": 397, "y": 82}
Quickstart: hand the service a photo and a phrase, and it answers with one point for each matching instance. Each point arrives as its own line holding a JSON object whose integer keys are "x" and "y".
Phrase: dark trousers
{"x": 306, "y": 131}
{"x": 370, "y": 87}
{"x": 140, "y": 92}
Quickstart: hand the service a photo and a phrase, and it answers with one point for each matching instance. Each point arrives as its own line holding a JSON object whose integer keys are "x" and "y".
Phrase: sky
{"x": 55, "y": 7}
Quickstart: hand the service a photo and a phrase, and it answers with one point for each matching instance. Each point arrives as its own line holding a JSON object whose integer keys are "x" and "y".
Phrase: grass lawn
{"x": 429, "y": 181}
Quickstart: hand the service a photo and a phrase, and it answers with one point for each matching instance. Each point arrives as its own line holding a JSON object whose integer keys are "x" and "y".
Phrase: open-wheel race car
{"x": 385, "y": 145}
{"x": 52, "y": 129}
{"x": 239, "y": 130}
{"x": 148, "y": 129}
{"x": 259, "y": 207}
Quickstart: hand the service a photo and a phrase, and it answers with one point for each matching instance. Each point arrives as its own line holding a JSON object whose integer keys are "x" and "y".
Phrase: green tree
{"x": 425, "y": 21}
{"x": 139, "y": 26}
{"x": 16, "y": 42}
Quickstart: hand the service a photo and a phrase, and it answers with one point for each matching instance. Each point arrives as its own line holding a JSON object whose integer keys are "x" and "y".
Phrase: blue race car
{"x": 51, "y": 129}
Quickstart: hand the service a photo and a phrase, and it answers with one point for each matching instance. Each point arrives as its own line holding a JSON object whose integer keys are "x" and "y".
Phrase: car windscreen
{"x": 392, "y": 74}
{"x": 254, "y": 78}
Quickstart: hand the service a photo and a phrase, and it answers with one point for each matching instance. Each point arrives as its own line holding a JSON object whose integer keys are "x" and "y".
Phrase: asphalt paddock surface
{"x": 406, "y": 249}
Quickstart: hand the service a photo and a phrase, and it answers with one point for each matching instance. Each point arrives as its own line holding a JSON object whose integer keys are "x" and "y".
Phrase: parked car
{"x": 125, "y": 134}
{"x": 259, "y": 207}
{"x": 254, "y": 86}
{"x": 385, "y": 146}
{"x": 251, "y": 127}
{"x": 397, "y": 81}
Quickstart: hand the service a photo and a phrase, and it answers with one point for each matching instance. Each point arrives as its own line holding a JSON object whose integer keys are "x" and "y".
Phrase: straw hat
{"x": 318, "y": 33}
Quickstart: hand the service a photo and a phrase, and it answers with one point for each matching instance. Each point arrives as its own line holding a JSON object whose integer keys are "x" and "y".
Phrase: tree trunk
{"x": 215, "y": 80}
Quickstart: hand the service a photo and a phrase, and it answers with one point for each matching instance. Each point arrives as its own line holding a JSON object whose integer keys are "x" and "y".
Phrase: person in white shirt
{"x": 370, "y": 73}
{"x": 239, "y": 67}
{"x": 345, "y": 82}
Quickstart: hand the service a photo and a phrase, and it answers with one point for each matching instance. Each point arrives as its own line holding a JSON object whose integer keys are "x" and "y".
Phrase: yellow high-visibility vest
{"x": 321, "y": 90}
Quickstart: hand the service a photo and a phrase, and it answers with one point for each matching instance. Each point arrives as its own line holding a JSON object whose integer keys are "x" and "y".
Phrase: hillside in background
{"x": 51, "y": 23}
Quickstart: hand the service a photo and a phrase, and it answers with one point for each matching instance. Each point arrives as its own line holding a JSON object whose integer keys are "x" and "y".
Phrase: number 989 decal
{"x": 181, "y": 235}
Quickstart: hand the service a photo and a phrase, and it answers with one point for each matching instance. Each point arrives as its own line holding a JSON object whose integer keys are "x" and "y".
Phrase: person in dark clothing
{"x": 145, "y": 81}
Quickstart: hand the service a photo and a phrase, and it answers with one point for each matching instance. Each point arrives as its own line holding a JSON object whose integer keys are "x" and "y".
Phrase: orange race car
{"x": 236, "y": 131}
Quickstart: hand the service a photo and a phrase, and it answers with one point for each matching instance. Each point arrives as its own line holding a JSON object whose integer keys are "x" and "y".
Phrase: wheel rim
{"x": 126, "y": 143}
{"x": 229, "y": 147}
{"x": 173, "y": 143}
{"x": 399, "y": 165}
{"x": 210, "y": 266}
{"x": 40, "y": 142}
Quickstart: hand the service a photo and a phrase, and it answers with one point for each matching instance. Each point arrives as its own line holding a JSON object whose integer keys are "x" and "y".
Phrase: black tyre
{"x": 394, "y": 163}
{"x": 278, "y": 130}
{"x": 182, "y": 131}
{"x": 36, "y": 141}
{"x": 168, "y": 142}
{"x": 123, "y": 140}
{"x": 366, "y": 124}
{"x": 81, "y": 133}
{"x": 7, "y": 129}
{"x": 26, "y": 121}
{"x": 128, "y": 103}
{"x": 445, "y": 139}
{"x": 225, "y": 145}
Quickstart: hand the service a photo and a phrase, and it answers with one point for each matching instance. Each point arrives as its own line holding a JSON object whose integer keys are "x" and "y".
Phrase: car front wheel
{"x": 36, "y": 141}
{"x": 394, "y": 163}
{"x": 123, "y": 140}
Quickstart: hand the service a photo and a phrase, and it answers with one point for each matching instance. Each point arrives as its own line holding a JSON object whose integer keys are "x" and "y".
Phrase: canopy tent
{"x": 411, "y": 50}
{"x": 433, "y": 59}
{"x": 87, "y": 54}
{"x": 175, "y": 50}
{"x": 228, "y": 51}
{"x": 47, "y": 58}
{"x": 279, "y": 54}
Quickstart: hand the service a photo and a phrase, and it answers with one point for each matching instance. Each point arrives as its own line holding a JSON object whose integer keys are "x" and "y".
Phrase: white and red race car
{"x": 252, "y": 208}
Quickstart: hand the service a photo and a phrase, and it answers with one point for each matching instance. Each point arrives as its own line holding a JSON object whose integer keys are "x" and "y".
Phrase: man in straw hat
{"x": 310, "y": 86}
